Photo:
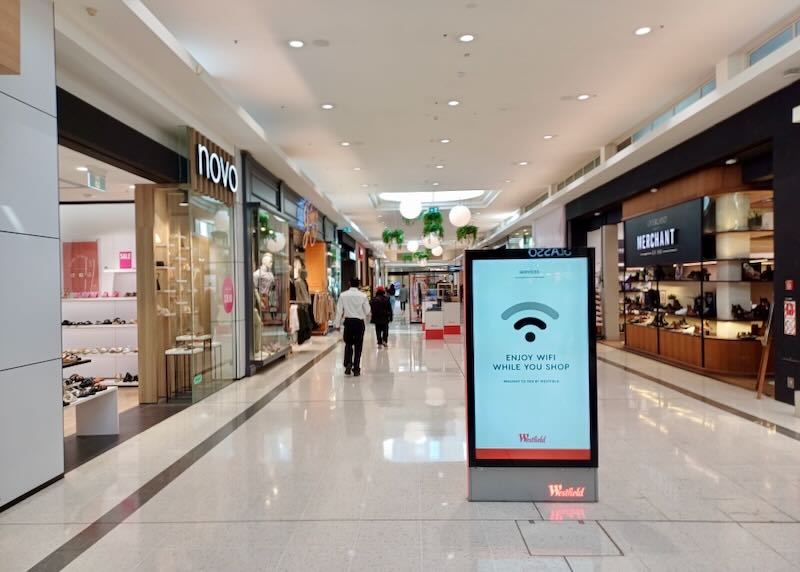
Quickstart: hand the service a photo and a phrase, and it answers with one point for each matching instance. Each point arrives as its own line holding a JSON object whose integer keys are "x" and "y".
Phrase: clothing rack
{"x": 323, "y": 310}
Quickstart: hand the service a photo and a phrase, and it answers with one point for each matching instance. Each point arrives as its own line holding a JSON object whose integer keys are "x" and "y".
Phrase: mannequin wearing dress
{"x": 264, "y": 281}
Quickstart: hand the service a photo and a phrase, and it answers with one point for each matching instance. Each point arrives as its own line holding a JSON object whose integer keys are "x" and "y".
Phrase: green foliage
{"x": 407, "y": 257}
{"x": 467, "y": 233}
{"x": 263, "y": 222}
{"x": 423, "y": 254}
{"x": 432, "y": 222}
{"x": 397, "y": 235}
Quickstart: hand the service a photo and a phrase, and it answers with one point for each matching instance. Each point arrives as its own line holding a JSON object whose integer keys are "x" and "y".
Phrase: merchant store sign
{"x": 668, "y": 236}
{"x": 658, "y": 239}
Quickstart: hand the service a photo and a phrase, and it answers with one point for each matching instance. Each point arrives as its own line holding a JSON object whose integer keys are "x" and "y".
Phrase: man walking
{"x": 353, "y": 311}
{"x": 403, "y": 297}
{"x": 381, "y": 316}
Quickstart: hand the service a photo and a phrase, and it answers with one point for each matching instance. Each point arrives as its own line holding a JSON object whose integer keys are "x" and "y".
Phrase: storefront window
{"x": 271, "y": 267}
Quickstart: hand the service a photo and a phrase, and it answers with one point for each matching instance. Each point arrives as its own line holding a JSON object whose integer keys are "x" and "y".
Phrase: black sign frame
{"x": 684, "y": 220}
{"x": 470, "y": 256}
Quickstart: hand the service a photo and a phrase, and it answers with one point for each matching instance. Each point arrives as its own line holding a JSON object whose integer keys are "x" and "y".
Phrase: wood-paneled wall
{"x": 204, "y": 185}
{"x": 10, "y": 37}
{"x": 705, "y": 183}
{"x": 149, "y": 347}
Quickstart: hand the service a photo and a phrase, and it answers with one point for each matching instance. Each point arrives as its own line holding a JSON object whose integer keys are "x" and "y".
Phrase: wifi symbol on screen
{"x": 530, "y": 320}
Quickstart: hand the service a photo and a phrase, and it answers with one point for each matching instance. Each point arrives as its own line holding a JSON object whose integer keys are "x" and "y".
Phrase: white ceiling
{"x": 390, "y": 68}
{"x": 72, "y": 184}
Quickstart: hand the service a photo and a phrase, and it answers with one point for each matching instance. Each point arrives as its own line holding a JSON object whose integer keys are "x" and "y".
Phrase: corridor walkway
{"x": 327, "y": 472}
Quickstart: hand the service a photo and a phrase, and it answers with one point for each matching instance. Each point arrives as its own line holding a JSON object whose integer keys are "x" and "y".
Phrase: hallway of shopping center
{"x": 302, "y": 468}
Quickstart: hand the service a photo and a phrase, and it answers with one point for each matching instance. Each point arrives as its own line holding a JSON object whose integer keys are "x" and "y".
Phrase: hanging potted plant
{"x": 467, "y": 234}
{"x": 407, "y": 257}
{"x": 432, "y": 223}
{"x": 393, "y": 238}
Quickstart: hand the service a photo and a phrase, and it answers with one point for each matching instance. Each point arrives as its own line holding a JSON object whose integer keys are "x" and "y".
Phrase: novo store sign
{"x": 219, "y": 170}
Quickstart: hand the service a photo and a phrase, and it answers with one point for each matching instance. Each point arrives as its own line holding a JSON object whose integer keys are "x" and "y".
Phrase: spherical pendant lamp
{"x": 460, "y": 216}
{"x": 276, "y": 242}
{"x": 431, "y": 240}
{"x": 437, "y": 250}
{"x": 412, "y": 246}
{"x": 410, "y": 208}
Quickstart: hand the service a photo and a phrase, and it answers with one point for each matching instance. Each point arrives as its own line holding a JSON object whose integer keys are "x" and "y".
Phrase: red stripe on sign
{"x": 535, "y": 454}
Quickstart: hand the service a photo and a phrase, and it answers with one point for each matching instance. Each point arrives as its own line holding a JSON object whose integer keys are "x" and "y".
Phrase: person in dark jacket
{"x": 381, "y": 316}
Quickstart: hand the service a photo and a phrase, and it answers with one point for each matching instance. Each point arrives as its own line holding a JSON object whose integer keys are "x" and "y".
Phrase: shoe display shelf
{"x": 711, "y": 314}
{"x": 94, "y": 337}
{"x": 97, "y": 414}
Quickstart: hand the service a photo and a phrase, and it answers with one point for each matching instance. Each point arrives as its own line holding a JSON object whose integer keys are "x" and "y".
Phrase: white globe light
{"x": 276, "y": 243}
{"x": 437, "y": 250}
{"x": 431, "y": 240}
{"x": 412, "y": 246}
{"x": 423, "y": 262}
{"x": 410, "y": 208}
{"x": 460, "y": 216}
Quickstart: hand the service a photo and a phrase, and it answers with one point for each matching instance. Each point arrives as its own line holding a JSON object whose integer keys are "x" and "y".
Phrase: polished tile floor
{"x": 341, "y": 473}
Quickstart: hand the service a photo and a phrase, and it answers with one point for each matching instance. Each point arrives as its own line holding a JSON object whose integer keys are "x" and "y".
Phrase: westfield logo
{"x": 528, "y": 438}
{"x": 558, "y": 490}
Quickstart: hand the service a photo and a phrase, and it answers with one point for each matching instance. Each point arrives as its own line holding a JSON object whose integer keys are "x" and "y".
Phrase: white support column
{"x": 606, "y": 152}
{"x": 610, "y": 269}
{"x": 31, "y": 413}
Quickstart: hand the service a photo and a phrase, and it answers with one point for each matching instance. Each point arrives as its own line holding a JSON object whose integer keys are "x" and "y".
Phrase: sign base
{"x": 533, "y": 484}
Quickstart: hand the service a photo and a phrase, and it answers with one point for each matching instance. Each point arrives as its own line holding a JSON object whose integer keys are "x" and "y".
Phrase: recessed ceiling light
{"x": 548, "y": 137}
{"x": 327, "y": 106}
{"x": 508, "y": 180}
{"x": 731, "y": 161}
{"x": 435, "y": 184}
{"x": 356, "y": 168}
{"x": 583, "y": 97}
{"x": 296, "y": 43}
{"x": 131, "y": 187}
{"x": 597, "y": 213}
{"x": 444, "y": 140}
{"x": 654, "y": 190}
{"x": 522, "y": 163}
{"x": 345, "y": 143}
{"x": 453, "y": 103}
{"x": 82, "y": 169}
{"x": 440, "y": 166}
{"x": 466, "y": 38}
{"x": 643, "y": 31}
{"x": 365, "y": 185}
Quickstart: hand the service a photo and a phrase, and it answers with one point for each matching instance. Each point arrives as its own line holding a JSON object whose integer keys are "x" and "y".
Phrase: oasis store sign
{"x": 219, "y": 170}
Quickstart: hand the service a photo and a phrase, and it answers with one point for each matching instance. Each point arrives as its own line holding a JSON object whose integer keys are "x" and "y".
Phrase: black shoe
{"x": 347, "y": 371}
{"x": 356, "y": 372}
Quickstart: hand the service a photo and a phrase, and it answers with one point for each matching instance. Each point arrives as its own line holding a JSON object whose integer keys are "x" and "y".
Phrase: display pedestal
{"x": 434, "y": 324}
{"x": 533, "y": 484}
{"x": 452, "y": 317}
{"x": 98, "y": 414}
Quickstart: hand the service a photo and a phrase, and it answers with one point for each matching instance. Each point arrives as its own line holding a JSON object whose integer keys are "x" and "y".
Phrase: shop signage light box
{"x": 531, "y": 375}
{"x": 669, "y": 236}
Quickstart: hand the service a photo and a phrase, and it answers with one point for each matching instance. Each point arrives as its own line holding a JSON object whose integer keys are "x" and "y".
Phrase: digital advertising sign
{"x": 531, "y": 370}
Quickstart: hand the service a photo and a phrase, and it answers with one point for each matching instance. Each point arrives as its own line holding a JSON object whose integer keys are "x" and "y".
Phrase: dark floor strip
{"x": 780, "y": 429}
{"x": 73, "y": 548}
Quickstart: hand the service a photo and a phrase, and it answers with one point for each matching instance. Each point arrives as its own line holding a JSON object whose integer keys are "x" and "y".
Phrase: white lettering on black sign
{"x": 656, "y": 239}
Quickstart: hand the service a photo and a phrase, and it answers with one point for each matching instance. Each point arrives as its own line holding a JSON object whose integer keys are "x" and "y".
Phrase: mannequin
{"x": 265, "y": 286}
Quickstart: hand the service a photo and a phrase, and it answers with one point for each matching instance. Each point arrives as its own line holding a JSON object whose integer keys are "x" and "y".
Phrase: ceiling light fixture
{"x": 460, "y": 216}
{"x": 466, "y": 38}
{"x": 437, "y": 250}
{"x": 365, "y": 185}
{"x": 508, "y": 180}
{"x": 583, "y": 97}
{"x": 345, "y": 143}
{"x": 327, "y": 106}
{"x": 412, "y": 246}
{"x": 522, "y": 163}
{"x": 548, "y": 137}
{"x": 440, "y": 166}
{"x": 131, "y": 187}
{"x": 597, "y": 213}
{"x": 296, "y": 43}
{"x": 82, "y": 169}
{"x": 435, "y": 184}
{"x": 731, "y": 161}
{"x": 356, "y": 168}
{"x": 643, "y": 31}
{"x": 654, "y": 190}
{"x": 444, "y": 140}
{"x": 184, "y": 199}
{"x": 453, "y": 103}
